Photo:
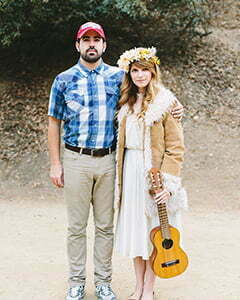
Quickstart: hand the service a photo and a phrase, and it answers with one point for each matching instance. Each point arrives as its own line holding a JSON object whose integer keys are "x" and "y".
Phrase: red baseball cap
{"x": 90, "y": 26}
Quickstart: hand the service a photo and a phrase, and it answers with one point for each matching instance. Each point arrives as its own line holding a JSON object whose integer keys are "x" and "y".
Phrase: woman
{"x": 148, "y": 137}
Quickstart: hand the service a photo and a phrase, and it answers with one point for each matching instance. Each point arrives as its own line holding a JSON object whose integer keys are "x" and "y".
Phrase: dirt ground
{"x": 33, "y": 227}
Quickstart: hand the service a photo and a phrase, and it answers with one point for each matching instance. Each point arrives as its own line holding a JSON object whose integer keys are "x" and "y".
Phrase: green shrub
{"x": 41, "y": 28}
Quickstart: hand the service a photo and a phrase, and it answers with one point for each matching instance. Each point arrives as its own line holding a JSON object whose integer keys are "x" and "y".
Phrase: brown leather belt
{"x": 93, "y": 152}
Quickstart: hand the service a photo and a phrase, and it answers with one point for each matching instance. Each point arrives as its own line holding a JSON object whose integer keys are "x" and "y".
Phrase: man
{"x": 85, "y": 98}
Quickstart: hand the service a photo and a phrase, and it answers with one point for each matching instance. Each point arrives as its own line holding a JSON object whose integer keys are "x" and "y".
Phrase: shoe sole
{"x": 103, "y": 298}
{"x": 82, "y": 298}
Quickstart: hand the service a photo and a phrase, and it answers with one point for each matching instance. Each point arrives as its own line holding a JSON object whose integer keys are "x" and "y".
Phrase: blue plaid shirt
{"x": 86, "y": 100}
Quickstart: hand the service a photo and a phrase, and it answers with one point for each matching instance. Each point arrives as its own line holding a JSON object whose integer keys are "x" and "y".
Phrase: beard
{"x": 89, "y": 57}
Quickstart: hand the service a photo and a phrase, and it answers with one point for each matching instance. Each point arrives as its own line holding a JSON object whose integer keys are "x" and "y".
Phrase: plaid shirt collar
{"x": 85, "y": 71}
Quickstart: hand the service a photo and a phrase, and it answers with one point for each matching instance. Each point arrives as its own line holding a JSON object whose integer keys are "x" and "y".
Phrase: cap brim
{"x": 79, "y": 35}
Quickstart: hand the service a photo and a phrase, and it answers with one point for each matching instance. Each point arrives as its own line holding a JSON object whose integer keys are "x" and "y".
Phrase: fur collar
{"x": 161, "y": 104}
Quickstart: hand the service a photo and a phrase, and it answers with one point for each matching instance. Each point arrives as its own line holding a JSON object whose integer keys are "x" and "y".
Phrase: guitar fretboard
{"x": 163, "y": 219}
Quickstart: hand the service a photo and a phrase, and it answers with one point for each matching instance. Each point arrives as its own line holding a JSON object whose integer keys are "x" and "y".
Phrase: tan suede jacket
{"x": 163, "y": 149}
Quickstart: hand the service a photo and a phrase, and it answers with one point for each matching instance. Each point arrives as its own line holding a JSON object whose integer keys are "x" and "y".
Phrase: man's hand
{"x": 56, "y": 175}
{"x": 177, "y": 110}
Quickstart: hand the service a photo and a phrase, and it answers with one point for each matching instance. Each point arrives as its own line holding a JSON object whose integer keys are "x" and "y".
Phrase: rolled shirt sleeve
{"x": 56, "y": 100}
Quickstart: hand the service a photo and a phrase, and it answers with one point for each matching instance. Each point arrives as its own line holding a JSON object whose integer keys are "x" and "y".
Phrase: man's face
{"x": 91, "y": 46}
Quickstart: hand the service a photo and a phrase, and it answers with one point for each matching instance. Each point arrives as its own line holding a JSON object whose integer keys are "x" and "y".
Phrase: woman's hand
{"x": 162, "y": 197}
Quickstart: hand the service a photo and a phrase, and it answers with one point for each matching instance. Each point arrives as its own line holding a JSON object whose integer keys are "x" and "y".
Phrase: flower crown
{"x": 137, "y": 54}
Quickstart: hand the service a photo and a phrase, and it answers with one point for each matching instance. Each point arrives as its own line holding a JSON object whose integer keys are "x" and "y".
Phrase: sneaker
{"x": 76, "y": 293}
{"x": 104, "y": 292}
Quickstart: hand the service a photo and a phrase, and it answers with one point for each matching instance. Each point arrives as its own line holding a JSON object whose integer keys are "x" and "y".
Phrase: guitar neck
{"x": 156, "y": 187}
{"x": 163, "y": 218}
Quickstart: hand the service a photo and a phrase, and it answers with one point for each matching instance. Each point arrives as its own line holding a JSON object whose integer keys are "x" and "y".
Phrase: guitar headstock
{"x": 156, "y": 180}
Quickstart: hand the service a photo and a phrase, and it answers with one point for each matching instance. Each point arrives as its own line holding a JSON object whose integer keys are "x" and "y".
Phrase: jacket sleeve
{"x": 172, "y": 163}
{"x": 174, "y": 146}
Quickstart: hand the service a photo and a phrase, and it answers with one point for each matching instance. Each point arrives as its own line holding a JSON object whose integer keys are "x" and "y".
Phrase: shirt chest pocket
{"x": 75, "y": 104}
{"x": 112, "y": 97}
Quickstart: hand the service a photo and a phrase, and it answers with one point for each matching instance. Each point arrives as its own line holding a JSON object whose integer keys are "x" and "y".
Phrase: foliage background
{"x": 32, "y": 31}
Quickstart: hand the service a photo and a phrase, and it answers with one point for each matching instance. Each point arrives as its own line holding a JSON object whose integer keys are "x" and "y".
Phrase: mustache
{"x": 91, "y": 48}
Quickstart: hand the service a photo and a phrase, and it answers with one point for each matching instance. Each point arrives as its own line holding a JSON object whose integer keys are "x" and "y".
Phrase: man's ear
{"x": 104, "y": 46}
{"x": 77, "y": 46}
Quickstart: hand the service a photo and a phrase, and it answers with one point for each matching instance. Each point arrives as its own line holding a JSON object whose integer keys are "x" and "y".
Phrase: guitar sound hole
{"x": 167, "y": 243}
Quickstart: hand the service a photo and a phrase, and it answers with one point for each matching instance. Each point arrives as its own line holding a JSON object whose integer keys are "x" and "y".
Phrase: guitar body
{"x": 168, "y": 259}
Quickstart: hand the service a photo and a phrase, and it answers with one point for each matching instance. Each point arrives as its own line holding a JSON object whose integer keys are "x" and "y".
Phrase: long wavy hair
{"x": 129, "y": 89}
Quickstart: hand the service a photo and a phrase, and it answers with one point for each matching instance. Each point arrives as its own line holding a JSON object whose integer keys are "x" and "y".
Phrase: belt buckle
{"x": 92, "y": 152}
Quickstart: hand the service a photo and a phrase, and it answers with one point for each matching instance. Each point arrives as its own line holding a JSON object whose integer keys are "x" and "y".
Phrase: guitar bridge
{"x": 170, "y": 263}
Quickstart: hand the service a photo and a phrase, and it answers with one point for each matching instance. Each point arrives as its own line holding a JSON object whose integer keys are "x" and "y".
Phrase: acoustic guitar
{"x": 167, "y": 259}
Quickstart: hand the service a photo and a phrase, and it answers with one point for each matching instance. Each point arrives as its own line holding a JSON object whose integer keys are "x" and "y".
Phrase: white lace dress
{"x": 133, "y": 225}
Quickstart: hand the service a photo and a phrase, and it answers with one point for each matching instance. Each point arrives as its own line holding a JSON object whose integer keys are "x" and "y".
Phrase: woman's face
{"x": 140, "y": 76}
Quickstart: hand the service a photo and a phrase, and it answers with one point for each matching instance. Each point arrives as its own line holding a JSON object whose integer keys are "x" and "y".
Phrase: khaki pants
{"x": 89, "y": 180}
